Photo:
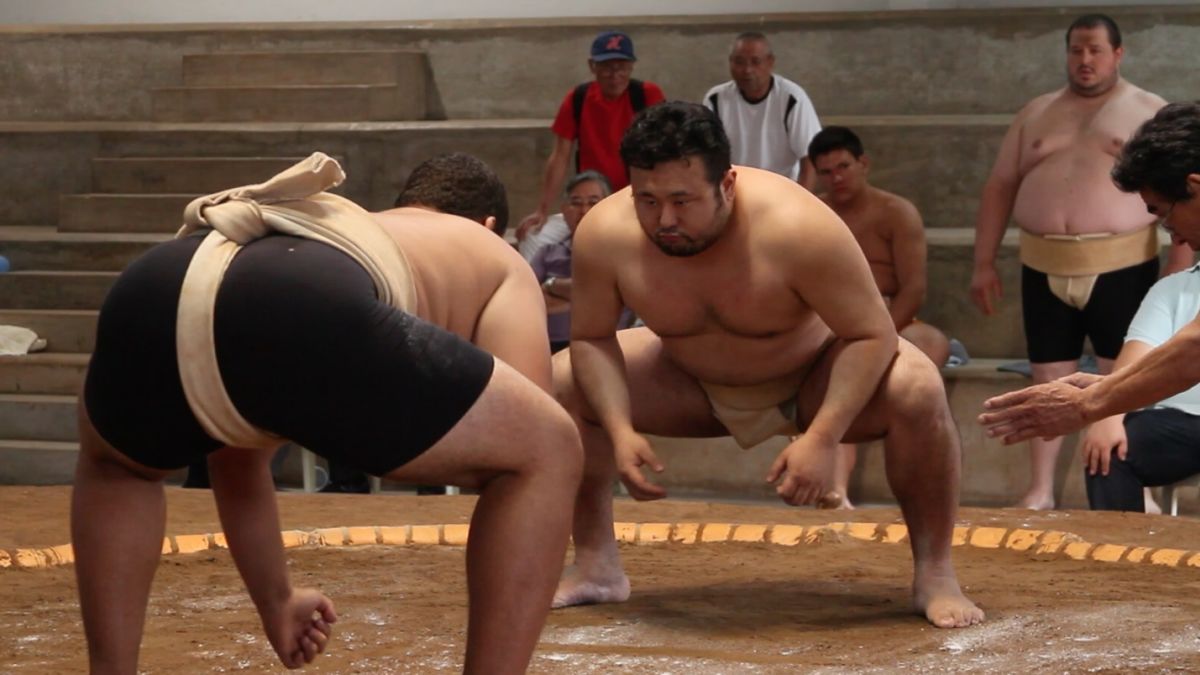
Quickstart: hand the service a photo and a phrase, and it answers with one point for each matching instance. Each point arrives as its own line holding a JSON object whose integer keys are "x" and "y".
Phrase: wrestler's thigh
{"x": 513, "y": 426}
{"x": 663, "y": 399}
{"x": 911, "y": 375}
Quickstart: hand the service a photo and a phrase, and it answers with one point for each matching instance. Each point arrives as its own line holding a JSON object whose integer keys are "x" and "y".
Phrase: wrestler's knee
{"x": 915, "y": 391}
{"x": 554, "y": 448}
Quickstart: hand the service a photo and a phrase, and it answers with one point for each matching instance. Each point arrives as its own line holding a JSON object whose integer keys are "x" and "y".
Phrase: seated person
{"x": 1158, "y": 445}
{"x": 889, "y": 230}
{"x": 552, "y": 264}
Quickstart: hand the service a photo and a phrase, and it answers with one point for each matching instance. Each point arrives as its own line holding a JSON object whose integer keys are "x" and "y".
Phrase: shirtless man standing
{"x": 1089, "y": 253}
{"x": 755, "y": 298}
{"x": 452, "y": 390}
{"x": 889, "y": 230}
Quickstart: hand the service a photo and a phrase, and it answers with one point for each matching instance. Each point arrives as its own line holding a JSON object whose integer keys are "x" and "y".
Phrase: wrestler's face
{"x": 841, "y": 175}
{"x": 1093, "y": 65}
{"x": 581, "y": 200}
{"x": 1182, "y": 218}
{"x": 750, "y": 65}
{"x": 612, "y": 76}
{"x": 678, "y": 208}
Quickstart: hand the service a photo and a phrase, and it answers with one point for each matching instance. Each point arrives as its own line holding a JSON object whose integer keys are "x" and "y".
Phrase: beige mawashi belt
{"x": 294, "y": 202}
{"x": 1072, "y": 263}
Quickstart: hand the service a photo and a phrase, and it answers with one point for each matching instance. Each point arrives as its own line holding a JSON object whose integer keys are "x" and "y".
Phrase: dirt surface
{"x": 838, "y": 606}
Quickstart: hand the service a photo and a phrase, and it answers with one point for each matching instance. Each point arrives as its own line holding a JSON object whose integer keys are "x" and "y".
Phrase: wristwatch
{"x": 548, "y": 283}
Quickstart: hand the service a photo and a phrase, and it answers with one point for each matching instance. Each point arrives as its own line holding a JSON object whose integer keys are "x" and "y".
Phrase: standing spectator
{"x": 552, "y": 264}
{"x": 595, "y": 114}
{"x": 1089, "y": 252}
{"x": 769, "y": 119}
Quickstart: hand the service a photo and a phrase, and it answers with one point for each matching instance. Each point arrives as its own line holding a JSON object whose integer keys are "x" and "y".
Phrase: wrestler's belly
{"x": 1072, "y": 193}
{"x": 723, "y": 358}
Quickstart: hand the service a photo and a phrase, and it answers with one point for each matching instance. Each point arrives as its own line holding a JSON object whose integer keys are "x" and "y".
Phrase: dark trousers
{"x": 1164, "y": 448}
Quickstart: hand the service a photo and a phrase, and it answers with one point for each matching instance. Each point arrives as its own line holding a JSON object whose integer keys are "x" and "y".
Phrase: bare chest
{"x": 1064, "y": 131}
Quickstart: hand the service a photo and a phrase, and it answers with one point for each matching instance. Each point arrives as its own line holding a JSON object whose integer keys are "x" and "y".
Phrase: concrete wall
{"x": 179, "y": 11}
{"x": 963, "y": 62}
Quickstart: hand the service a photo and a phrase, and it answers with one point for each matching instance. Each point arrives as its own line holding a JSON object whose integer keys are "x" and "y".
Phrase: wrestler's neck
{"x": 1098, "y": 95}
{"x": 852, "y": 202}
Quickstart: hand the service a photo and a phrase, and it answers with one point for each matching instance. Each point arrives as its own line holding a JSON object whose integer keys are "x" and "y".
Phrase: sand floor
{"x": 838, "y": 606}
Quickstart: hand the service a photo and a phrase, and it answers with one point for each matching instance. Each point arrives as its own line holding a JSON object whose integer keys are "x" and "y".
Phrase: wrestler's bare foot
{"x": 835, "y": 500}
{"x": 1036, "y": 501}
{"x": 590, "y": 588}
{"x": 942, "y": 602}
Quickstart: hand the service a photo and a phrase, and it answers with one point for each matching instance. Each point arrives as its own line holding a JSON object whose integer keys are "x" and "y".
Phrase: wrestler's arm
{"x": 512, "y": 324}
{"x": 908, "y": 257}
{"x": 995, "y": 207}
{"x": 596, "y": 358}
{"x": 296, "y": 620}
{"x": 853, "y": 309}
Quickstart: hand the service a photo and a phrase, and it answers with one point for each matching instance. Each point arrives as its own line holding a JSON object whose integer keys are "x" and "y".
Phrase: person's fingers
{"x": 1010, "y": 399}
{"x": 1089, "y": 459}
{"x": 640, "y": 488}
{"x": 309, "y": 647}
{"x": 328, "y": 613}
{"x": 777, "y": 468}
{"x": 1105, "y": 458}
{"x": 646, "y": 456}
{"x": 1123, "y": 449}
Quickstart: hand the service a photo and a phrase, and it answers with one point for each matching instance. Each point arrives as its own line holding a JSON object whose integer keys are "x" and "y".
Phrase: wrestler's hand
{"x": 986, "y": 288}
{"x": 1099, "y": 442}
{"x": 299, "y": 628}
{"x": 529, "y": 224}
{"x": 806, "y": 465}
{"x": 632, "y": 452}
{"x": 1046, "y": 410}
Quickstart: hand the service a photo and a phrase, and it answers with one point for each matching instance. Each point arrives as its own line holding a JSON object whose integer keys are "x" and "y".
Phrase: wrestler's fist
{"x": 632, "y": 451}
{"x": 806, "y": 467}
{"x": 299, "y": 628}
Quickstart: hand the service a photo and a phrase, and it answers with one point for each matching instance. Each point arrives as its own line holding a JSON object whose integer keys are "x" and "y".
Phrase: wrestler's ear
{"x": 865, "y": 161}
{"x": 490, "y": 223}
{"x": 1193, "y": 184}
{"x": 727, "y": 183}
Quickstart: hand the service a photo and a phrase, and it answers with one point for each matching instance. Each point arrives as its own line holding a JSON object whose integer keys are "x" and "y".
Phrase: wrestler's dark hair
{"x": 1095, "y": 21}
{"x": 1162, "y": 153}
{"x": 835, "y": 138}
{"x": 458, "y": 184}
{"x": 677, "y": 130}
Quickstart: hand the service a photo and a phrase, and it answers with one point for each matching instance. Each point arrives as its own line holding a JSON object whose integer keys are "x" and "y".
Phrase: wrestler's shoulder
{"x": 1039, "y": 105}
{"x": 893, "y": 205}
{"x": 612, "y": 222}
{"x": 1147, "y": 101}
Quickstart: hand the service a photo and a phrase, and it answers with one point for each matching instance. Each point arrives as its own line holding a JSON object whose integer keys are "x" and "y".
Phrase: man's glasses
{"x": 1162, "y": 221}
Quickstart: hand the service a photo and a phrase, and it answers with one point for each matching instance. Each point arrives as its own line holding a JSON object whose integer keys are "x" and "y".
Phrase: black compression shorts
{"x": 1054, "y": 330}
{"x": 306, "y": 352}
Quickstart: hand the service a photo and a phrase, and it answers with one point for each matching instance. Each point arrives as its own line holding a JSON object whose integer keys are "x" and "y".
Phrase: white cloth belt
{"x": 295, "y": 203}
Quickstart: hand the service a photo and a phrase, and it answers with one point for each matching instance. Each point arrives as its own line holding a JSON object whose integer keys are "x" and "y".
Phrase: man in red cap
{"x": 595, "y": 114}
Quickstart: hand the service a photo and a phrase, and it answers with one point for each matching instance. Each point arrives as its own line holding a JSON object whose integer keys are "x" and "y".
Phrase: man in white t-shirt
{"x": 769, "y": 119}
{"x": 1160, "y": 444}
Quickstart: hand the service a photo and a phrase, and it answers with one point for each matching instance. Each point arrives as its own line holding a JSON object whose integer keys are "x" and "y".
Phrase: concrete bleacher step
{"x": 25, "y": 462}
{"x": 291, "y": 103}
{"x": 45, "y": 417}
{"x": 55, "y": 290}
{"x": 948, "y": 304}
{"x": 992, "y": 475}
{"x": 182, "y": 175}
{"x": 259, "y": 69}
{"x": 43, "y": 373}
{"x": 65, "y": 330}
{"x": 44, "y": 247}
{"x": 128, "y": 213}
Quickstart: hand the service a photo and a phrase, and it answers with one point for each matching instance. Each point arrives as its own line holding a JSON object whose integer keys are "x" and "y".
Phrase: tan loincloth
{"x": 1072, "y": 263}
{"x": 752, "y": 414}
{"x": 295, "y": 203}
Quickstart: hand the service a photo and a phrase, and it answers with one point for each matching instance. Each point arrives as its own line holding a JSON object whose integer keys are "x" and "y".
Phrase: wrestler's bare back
{"x": 740, "y": 312}
{"x": 1067, "y": 145}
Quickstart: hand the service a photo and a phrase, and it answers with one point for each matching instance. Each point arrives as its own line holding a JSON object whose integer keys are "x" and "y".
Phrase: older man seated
{"x": 552, "y": 263}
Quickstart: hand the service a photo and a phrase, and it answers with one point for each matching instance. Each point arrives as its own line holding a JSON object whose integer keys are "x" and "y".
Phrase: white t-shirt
{"x": 1170, "y": 304}
{"x": 772, "y": 134}
{"x": 553, "y": 231}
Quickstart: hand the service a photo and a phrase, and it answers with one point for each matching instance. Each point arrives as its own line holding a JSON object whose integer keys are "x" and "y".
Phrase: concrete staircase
{"x": 60, "y": 279}
{"x": 332, "y": 86}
